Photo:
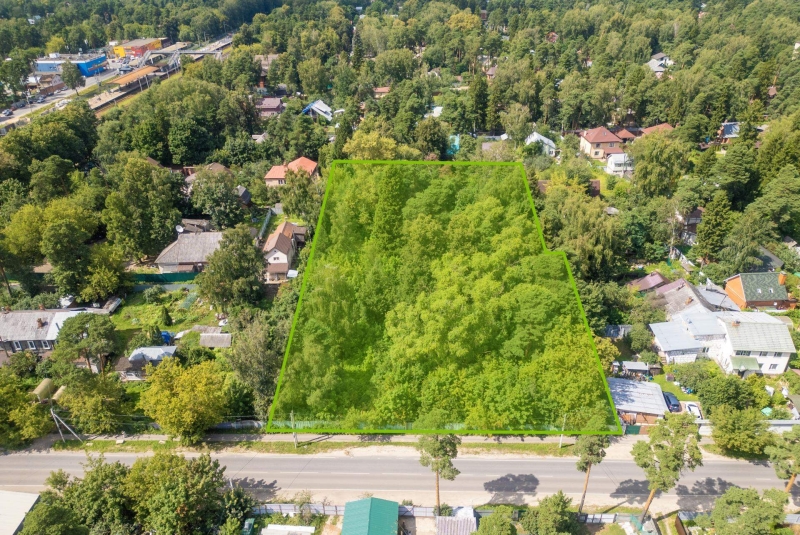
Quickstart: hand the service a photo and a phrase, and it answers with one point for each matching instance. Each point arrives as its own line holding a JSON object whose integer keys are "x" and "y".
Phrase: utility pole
{"x": 294, "y": 433}
{"x": 563, "y": 425}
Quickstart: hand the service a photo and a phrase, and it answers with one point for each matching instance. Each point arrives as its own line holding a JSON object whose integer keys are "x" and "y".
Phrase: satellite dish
{"x": 179, "y": 228}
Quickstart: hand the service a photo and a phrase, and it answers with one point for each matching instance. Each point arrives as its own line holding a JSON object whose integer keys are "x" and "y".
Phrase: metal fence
{"x": 164, "y": 278}
{"x": 332, "y": 510}
{"x": 417, "y": 511}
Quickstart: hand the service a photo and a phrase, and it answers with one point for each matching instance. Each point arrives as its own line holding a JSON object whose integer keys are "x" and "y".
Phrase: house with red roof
{"x": 599, "y": 142}
{"x": 663, "y": 127}
{"x": 276, "y": 176}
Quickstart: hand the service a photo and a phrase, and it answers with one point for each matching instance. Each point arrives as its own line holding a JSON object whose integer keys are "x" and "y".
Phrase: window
{"x": 610, "y": 144}
{"x": 773, "y": 366}
{"x": 763, "y": 353}
{"x": 17, "y": 346}
{"x": 741, "y": 353}
{"x": 597, "y": 153}
{"x": 45, "y": 344}
{"x": 31, "y": 345}
{"x": 597, "y": 145}
{"x": 281, "y": 181}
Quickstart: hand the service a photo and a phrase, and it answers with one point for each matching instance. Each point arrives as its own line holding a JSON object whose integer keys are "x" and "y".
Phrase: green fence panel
{"x": 164, "y": 278}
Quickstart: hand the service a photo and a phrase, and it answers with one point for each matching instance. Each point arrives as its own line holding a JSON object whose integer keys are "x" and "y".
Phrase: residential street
{"x": 396, "y": 474}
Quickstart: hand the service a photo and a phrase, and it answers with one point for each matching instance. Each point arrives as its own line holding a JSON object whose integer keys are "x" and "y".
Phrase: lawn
{"x": 429, "y": 303}
{"x": 185, "y": 308}
{"x": 667, "y": 386}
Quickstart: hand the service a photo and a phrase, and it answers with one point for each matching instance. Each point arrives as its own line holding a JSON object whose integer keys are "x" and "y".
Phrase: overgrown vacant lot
{"x": 429, "y": 304}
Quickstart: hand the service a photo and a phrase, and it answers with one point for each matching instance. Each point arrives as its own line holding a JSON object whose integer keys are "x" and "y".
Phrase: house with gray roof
{"x": 33, "y": 330}
{"x": 132, "y": 368}
{"x": 189, "y": 253}
{"x": 637, "y": 402}
{"x": 740, "y": 342}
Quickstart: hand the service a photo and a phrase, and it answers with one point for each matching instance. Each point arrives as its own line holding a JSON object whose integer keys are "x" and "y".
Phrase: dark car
{"x": 672, "y": 402}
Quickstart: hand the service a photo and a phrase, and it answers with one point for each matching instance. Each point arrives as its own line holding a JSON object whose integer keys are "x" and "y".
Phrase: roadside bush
{"x": 153, "y": 294}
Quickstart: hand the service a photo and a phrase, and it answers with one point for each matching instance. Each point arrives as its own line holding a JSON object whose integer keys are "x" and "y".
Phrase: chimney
{"x": 782, "y": 278}
{"x": 736, "y": 323}
{"x": 41, "y": 306}
{"x": 40, "y": 322}
{"x": 689, "y": 300}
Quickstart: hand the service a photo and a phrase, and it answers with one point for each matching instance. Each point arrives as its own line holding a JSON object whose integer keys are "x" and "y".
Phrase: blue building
{"x": 89, "y": 65}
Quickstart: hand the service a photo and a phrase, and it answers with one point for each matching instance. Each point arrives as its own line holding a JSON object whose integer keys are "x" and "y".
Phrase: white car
{"x": 694, "y": 410}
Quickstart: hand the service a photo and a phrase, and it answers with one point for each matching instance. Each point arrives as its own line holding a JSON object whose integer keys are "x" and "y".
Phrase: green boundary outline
{"x": 518, "y": 165}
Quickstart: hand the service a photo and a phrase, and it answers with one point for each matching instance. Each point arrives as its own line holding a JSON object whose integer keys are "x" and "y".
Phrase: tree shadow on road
{"x": 702, "y": 494}
{"x": 511, "y": 488}
{"x": 633, "y": 491}
{"x": 259, "y": 489}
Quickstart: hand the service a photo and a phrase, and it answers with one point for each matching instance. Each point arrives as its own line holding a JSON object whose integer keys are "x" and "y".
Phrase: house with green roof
{"x": 759, "y": 290}
{"x": 370, "y": 516}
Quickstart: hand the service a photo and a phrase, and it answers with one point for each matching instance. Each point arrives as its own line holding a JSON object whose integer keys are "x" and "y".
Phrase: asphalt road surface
{"x": 501, "y": 479}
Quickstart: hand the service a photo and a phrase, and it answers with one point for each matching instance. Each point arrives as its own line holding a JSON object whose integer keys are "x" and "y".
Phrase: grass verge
{"x": 716, "y": 450}
{"x": 308, "y": 448}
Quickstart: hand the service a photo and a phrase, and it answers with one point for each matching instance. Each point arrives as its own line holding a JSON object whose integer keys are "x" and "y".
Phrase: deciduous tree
{"x": 185, "y": 401}
{"x": 671, "y": 448}
{"x": 784, "y": 455}
{"x": 233, "y": 273}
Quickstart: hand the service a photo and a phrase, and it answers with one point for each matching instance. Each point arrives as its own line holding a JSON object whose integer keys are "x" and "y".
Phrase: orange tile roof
{"x": 663, "y": 127}
{"x": 307, "y": 165}
{"x": 278, "y": 172}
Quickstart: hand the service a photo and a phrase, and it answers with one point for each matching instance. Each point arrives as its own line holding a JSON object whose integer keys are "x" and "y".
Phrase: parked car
{"x": 672, "y": 402}
{"x": 125, "y": 68}
{"x": 40, "y": 100}
{"x": 7, "y": 113}
{"x": 694, "y": 409}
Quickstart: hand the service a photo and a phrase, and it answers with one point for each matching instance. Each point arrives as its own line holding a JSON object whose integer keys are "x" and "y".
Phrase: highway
{"x": 395, "y": 473}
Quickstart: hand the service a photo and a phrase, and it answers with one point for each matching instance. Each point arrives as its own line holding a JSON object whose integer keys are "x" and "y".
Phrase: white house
{"x": 548, "y": 146}
{"x": 619, "y": 164}
{"x": 741, "y": 342}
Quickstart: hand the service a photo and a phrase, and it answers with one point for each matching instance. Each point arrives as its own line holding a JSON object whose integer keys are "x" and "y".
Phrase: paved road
{"x": 503, "y": 479}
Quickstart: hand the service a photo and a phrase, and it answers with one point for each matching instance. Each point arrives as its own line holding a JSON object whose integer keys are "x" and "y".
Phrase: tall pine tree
{"x": 716, "y": 224}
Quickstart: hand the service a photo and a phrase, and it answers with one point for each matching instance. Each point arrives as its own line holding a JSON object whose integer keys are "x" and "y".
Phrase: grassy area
{"x": 140, "y": 446}
{"x": 183, "y": 307}
{"x": 713, "y": 448}
{"x": 667, "y": 386}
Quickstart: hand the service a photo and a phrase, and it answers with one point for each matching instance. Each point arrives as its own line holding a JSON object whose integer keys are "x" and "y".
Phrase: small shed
{"x": 370, "y": 516}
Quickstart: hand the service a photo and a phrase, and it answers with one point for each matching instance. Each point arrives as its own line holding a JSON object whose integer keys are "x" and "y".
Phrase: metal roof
{"x": 190, "y": 248}
{"x": 671, "y": 336}
{"x": 215, "y": 340}
{"x": 152, "y": 354}
{"x": 700, "y": 323}
{"x": 637, "y": 396}
{"x": 635, "y": 366}
{"x": 745, "y": 363}
{"x": 370, "y": 516}
{"x": 756, "y": 336}
{"x": 451, "y": 525}
{"x": 134, "y": 76}
{"x": 13, "y": 507}
{"x": 22, "y": 325}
